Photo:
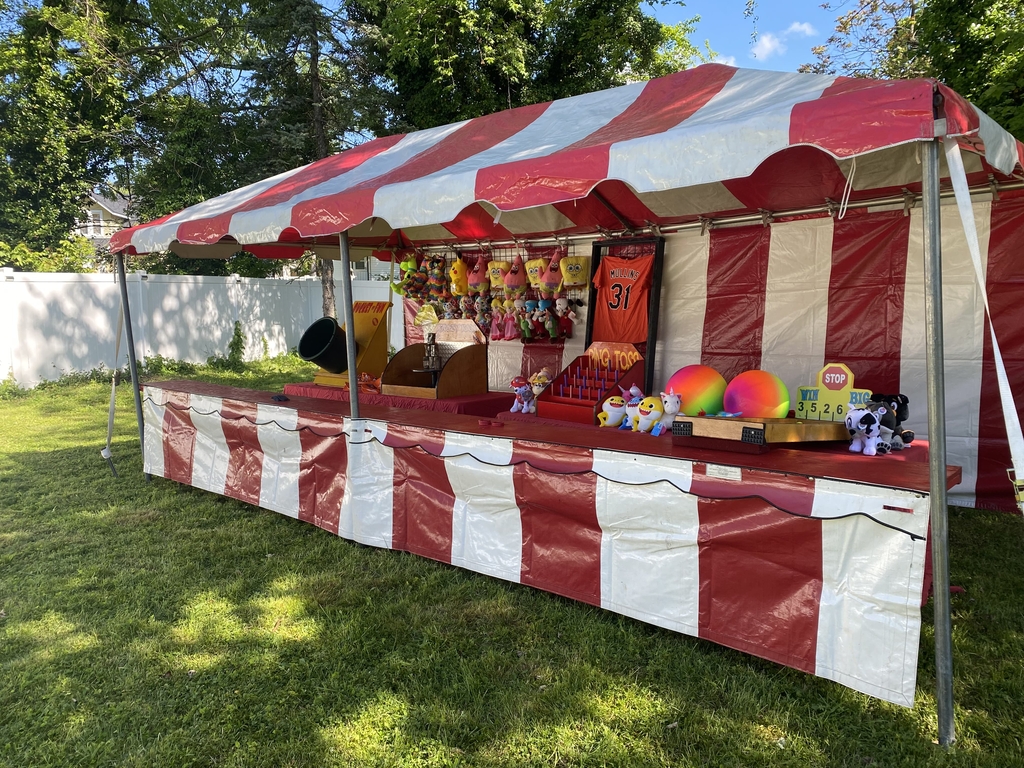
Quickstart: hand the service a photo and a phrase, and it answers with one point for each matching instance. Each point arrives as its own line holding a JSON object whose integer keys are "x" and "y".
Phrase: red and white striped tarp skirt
{"x": 820, "y": 575}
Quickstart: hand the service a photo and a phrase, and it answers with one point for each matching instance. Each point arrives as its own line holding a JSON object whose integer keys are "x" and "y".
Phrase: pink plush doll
{"x": 479, "y": 279}
{"x": 551, "y": 279}
{"x": 515, "y": 279}
{"x": 497, "y": 321}
{"x": 511, "y": 320}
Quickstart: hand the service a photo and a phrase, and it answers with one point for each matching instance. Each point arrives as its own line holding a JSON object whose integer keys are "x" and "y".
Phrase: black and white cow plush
{"x": 871, "y": 429}
{"x": 900, "y": 406}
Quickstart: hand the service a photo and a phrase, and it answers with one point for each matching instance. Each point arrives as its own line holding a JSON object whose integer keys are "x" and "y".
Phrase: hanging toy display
{"x": 479, "y": 276}
{"x": 405, "y": 286}
{"x": 458, "y": 273}
{"x": 511, "y": 329}
{"x": 483, "y": 315}
{"x": 497, "y": 321}
{"x": 550, "y": 281}
{"x": 467, "y": 307}
{"x": 534, "y": 269}
{"x": 496, "y": 271}
{"x": 565, "y": 316}
{"x": 437, "y": 285}
{"x": 514, "y": 281}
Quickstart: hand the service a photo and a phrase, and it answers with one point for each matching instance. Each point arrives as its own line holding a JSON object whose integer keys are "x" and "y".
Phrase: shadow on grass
{"x": 155, "y": 624}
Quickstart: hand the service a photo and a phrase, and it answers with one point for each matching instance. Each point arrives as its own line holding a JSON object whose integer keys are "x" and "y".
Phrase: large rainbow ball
{"x": 700, "y": 389}
{"x": 757, "y": 395}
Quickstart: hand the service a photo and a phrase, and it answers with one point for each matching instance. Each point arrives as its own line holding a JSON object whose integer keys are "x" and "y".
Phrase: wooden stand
{"x": 463, "y": 365}
{"x": 751, "y": 435}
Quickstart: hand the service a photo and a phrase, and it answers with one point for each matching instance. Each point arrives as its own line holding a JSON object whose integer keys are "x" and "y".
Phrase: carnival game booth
{"x": 804, "y": 220}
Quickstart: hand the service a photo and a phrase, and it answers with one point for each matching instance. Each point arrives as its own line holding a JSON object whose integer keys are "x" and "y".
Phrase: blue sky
{"x": 786, "y": 30}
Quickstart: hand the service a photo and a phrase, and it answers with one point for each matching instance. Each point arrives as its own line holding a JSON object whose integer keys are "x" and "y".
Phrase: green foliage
{"x": 10, "y": 389}
{"x": 70, "y": 255}
{"x": 235, "y": 360}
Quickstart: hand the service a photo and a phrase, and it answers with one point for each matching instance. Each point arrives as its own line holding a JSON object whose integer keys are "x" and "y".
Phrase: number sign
{"x": 830, "y": 398}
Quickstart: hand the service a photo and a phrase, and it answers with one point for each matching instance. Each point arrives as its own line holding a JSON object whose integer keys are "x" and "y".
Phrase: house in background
{"x": 102, "y": 217}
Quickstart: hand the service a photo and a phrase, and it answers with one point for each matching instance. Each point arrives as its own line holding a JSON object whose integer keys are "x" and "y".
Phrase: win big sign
{"x": 834, "y": 393}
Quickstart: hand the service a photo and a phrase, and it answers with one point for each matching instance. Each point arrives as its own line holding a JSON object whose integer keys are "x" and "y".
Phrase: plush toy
{"x": 459, "y": 276}
{"x": 671, "y": 403}
{"x": 496, "y": 271}
{"x": 467, "y": 308}
{"x": 524, "y": 313}
{"x": 632, "y": 407}
{"x": 515, "y": 279}
{"x": 613, "y": 411}
{"x": 524, "y": 395}
{"x": 539, "y": 381}
{"x": 900, "y": 406}
{"x": 511, "y": 320}
{"x": 483, "y": 314}
{"x": 551, "y": 278}
{"x": 437, "y": 286}
{"x": 451, "y": 309}
{"x": 497, "y": 321}
{"x": 534, "y": 269}
{"x": 574, "y": 271}
{"x": 479, "y": 276}
{"x": 546, "y": 318}
{"x": 648, "y": 413}
{"x": 870, "y": 428}
{"x": 408, "y": 266}
{"x": 566, "y": 317}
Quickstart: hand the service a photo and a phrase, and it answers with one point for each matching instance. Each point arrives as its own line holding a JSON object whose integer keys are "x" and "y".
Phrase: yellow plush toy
{"x": 459, "y": 274}
{"x": 534, "y": 269}
{"x": 574, "y": 271}
{"x": 496, "y": 272}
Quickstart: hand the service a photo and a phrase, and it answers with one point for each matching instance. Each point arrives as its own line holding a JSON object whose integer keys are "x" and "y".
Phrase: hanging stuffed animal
{"x": 566, "y": 317}
{"x": 459, "y": 275}
{"x": 512, "y": 331}
{"x": 483, "y": 315}
{"x": 479, "y": 277}
{"x": 551, "y": 278}
{"x": 515, "y": 279}
{"x": 574, "y": 271}
{"x": 405, "y": 286}
{"x": 467, "y": 307}
{"x": 497, "y": 321}
{"x": 437, "y": 286}
{"x": 534, "y": 269}
{"x": 496, "y": 271}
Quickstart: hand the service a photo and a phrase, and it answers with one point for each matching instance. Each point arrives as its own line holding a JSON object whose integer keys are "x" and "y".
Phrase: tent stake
{"x": 937, "y": 442}
{"x": 132, "y": 365}
{"x": 350, "y": 326}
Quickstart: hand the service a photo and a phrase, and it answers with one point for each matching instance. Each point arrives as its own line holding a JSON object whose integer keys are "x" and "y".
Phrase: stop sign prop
{"x": 832, "y": 397}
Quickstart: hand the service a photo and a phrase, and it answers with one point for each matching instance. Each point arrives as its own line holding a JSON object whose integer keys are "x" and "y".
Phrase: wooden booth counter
{"x": 812, "y": 558}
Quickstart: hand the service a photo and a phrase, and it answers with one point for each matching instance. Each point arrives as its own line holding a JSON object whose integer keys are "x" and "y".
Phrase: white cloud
{"x": 729, "y": 60}
{"x": 801, "y": 28}
{"x": 768, "y": 45}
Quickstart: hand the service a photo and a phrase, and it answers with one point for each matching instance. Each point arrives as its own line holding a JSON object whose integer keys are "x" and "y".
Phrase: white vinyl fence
{"x": 56, "y": 323}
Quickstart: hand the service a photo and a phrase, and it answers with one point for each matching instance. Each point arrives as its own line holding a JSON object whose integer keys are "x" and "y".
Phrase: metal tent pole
{"x": 350, "y": 327}
{"x": 937, "y": 441}
{"x": 132, "y": 365}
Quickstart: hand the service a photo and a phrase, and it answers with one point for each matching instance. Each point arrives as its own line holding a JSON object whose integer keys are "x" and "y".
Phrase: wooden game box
{"x": 752, "y": 435}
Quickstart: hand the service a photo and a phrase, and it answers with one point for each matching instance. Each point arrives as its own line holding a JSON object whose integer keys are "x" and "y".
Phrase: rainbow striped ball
{"x": 700, "y": 389}
{"x": 757, "y": 395}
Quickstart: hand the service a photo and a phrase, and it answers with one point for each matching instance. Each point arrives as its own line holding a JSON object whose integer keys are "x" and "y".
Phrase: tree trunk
{"x": 327, "y": 280}
{"x": 320, "y": 135}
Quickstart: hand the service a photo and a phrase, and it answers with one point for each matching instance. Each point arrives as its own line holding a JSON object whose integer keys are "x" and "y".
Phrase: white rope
{"x": 958, "y": 176}
{"x": 845, "y": 200}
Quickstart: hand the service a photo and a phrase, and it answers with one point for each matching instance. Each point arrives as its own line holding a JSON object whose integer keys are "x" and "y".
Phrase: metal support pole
{"x": 132, "y": 365}
{"x": 350, "y": 326}
{"x": 937, "y": 442}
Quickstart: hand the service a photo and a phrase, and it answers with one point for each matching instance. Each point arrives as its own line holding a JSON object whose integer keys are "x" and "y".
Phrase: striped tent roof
{"x": 710, "y": 141}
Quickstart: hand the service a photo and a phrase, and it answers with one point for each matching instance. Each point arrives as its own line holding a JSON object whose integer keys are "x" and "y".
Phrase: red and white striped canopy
{"x": 709, "y": 141}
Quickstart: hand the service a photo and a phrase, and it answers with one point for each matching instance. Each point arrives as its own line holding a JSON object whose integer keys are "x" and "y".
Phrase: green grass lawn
{"x": 158, "y": 625}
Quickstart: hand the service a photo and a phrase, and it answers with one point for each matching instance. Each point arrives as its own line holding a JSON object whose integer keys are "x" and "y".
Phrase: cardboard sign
{"x": 831, "y": 397}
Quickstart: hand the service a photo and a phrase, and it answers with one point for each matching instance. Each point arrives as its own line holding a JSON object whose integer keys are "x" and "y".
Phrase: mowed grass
{"x": 151, "y": 624}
